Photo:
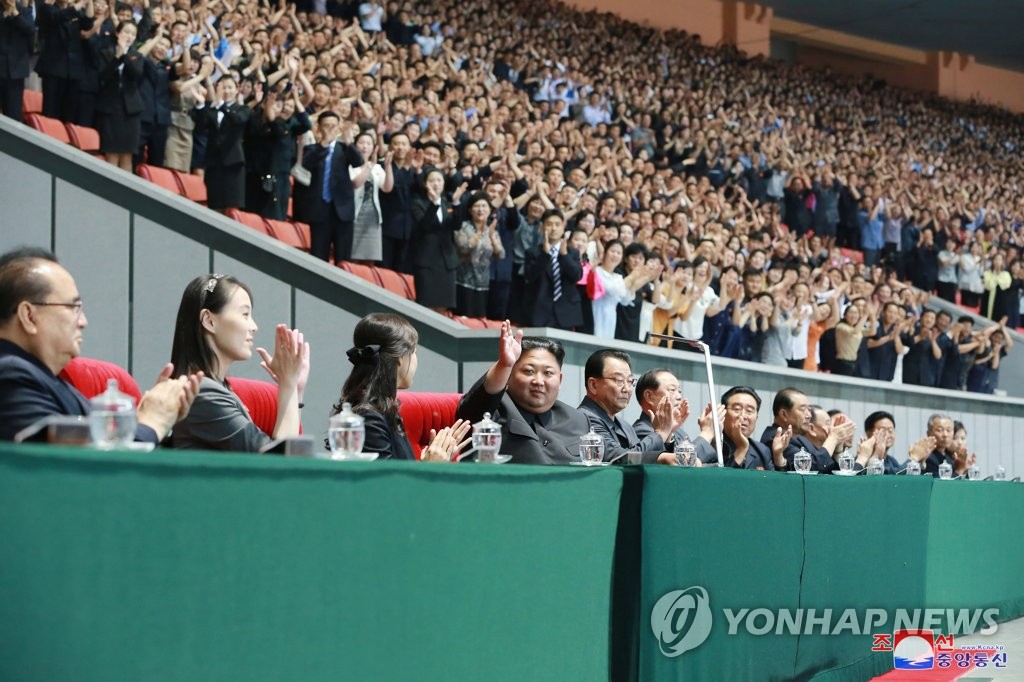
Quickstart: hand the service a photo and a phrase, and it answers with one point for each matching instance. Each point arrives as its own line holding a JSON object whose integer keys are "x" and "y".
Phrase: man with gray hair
{"x": 940, "y": 428}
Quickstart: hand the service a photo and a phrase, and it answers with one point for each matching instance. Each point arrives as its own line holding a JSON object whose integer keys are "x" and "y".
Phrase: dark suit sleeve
{"x": 311, "y": 156}
{"x": 23, "y": 401}
{"x": 570, "y": 266}
{"x": 476, "y": 401}
{"x": 353, "y": 157}
{"x": 22, "y": 22}
{"x": 535, "y": 263}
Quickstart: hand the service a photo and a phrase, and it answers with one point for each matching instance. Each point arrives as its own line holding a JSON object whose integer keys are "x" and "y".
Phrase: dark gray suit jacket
{"x": 759, "y": 455}
{"x": 619, "y": 436}
{"x": 556, "y": 443}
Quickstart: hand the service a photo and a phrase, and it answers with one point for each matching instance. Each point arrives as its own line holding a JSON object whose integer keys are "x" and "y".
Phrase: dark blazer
{"x": 60, "y": 52}
{"x": 566, "y": 312}
{"x": 224, "y": 145}
{"x": 821, "y": 461}
{"x": 432, "y": 242}
{"x": 29, "y": 392}
{"x": 383, "y": 439}
{"x": 619, "y": 436}
{"x": 120, "y": 88}
{"x": 557, "y": 442}
{"x": 759, "y": 455}
{"x": 156, "y": 92}
{"x": 343, "y": 201}
{"x": 16, "y": 44}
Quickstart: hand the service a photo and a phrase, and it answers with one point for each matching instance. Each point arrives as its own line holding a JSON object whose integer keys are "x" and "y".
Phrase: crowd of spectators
{"x": 570, "y": 169}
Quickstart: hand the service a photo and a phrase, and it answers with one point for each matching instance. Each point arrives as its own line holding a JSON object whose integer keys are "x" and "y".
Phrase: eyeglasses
{"x": 75, "y": 307}
{"x": 621, "y": 381}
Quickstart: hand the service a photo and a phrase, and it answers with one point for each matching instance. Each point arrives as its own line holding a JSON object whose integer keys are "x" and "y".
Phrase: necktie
{"x": 326, "y": 190}
{"x": 556, "y": 274}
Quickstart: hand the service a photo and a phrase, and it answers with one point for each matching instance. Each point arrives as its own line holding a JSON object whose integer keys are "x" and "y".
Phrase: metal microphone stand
{"x": 703, "y": 347}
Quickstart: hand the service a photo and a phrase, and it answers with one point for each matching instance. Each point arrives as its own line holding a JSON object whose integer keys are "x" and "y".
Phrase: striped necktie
{"x": 556, "y": 274}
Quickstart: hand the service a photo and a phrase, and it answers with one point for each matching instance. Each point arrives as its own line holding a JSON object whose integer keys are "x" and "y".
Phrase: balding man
{"x": 41, "y": 328}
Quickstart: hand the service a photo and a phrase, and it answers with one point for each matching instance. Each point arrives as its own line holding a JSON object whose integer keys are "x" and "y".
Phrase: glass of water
{"x": 591, "y": 448}
{"x": 802, "y": 461}
{"x": 913, "y": 468}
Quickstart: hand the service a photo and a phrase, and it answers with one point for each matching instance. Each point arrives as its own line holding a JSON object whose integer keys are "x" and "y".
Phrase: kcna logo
{"x": 681, "y": 620}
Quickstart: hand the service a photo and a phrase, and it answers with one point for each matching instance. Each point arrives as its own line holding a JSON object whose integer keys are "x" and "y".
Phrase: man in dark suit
{"x": 551, "y": 270}
{"x": 41, "y": 325}
{"x": 792, "y": 411}
{"x": 396, "y": 206}
{"x": 155, "y": 89}
{"x": 225, "y": 124}
{"x": 740, "y": 405}
{"x": 16, "y": 31}
{"x": 609, "y": 387}
{"x": 520, "y": 391}
{"x": 652, "y": 386}
{"x": 61, "y": 56}
{"x": 330, "y": 205}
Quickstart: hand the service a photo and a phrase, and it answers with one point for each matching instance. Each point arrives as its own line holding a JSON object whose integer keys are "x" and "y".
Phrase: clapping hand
{"x": 780, "y": 442}
{"x": 447, "y": 442}
{"x": 289, "y": 366}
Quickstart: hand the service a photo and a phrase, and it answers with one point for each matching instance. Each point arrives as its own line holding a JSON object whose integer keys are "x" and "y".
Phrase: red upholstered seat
{"x": 31, "y": 102}
{"x": 84, "y": 138}
{"x": 49, "y": 126}
{"x": 424, "y": 411}
{"x": 260, "y": 398}
{"x": 252, "y": 220}
{"x": 285, "y": 231}
{"x": 394, "y": 282}
{"x": 192, "y": 186}
{"x": 90, "y": 377}
{"x": 303, "y": 230}
{"x": 367, "y": 272}
{"x": 163, "y": 177}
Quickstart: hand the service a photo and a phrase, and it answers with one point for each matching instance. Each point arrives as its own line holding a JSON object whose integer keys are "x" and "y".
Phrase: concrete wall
{"x": 132, "y": 247}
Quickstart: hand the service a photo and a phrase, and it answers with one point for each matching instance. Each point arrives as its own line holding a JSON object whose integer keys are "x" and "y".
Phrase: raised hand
{"x": 781, "y": 441}
{"x": 510, "y": 345}
{"x": 921, "y": 449}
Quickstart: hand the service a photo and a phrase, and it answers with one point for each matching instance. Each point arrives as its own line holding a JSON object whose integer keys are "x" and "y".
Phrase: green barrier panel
{"x": 975, "y": 553}
{"x": 864, "y": 548}
{"x": 195, "y": 566}
{"x": 737, "y": 535}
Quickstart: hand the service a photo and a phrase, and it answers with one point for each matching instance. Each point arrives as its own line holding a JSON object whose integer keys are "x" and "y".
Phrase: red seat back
{"x": 192, "y": 186}
{"x": 366, "y": 272}
{"x": 84, "y": 138}
{"x": 162, "y": 177}
{"x": 394, "y": 282}
{"x": 49, "y": 126}
{"x": 422, "y": 412}
{"x": 260, "y": 398}
{"x": 285, "y": 232}
{"x": 303, "y": 231}
{"x": 31, "y": 102}
{"x": 90, "y": 377}
{"x": 252, "y": 220}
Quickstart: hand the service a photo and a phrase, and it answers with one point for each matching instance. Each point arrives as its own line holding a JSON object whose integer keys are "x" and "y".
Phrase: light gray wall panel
{"x": 272, "y": 306}
{"x": 471, "y": 371}
{"x": 329, "y": 332}
{"x": 92, "y": 243}
{"x": 435, "y": 372}
{"x": 164, "y": 262}
{"x": 26, "y": 199}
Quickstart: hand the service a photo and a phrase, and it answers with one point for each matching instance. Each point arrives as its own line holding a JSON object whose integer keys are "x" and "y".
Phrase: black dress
{"x": 119, "y": 104}
{"x": 434, "y": 257}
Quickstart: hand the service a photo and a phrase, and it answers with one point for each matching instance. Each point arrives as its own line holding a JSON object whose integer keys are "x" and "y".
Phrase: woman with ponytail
{"x": 383, "y": 358}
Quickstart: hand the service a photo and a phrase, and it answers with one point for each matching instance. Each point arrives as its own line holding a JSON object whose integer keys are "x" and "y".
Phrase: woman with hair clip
{"x": 384, "y": 360}
{"x": 214, "y": 329}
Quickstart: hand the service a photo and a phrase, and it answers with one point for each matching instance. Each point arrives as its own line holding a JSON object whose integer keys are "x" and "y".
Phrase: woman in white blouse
{"x": 615, "y": 291}
{"x": 690, "y": 322}
{"x": 367, "y": 235}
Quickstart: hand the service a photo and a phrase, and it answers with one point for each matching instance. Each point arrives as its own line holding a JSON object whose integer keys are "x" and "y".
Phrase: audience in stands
{"x": 214, "y": 329}
{"x": 42, "y": 321}
{"x": 384, "y": 362}
{"x": 16, "y": 37}
{"x": 690, "y": 152}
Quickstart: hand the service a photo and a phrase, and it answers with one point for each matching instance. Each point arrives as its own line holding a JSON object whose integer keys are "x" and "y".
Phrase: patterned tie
{"x": 556, "y": 274}
{"x": 326, "y": 192}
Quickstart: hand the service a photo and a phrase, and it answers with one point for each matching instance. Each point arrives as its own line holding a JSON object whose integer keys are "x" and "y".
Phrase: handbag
{"x": 595, "y": 287}
{"x": 301, "y": 174}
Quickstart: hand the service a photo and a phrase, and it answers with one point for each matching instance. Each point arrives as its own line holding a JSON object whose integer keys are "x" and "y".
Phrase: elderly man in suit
{"x": 16, "y": 33}
{"x": 330, "y": 201}
{"x": 551, "y": 270}
{"x": 520, "y": 390}
{"x": 41, "y": 326}
{"x": 609, "y": 387}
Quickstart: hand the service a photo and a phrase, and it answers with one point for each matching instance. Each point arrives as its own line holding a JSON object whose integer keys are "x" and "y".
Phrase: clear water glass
{"x": 486, "y": 439}
{"x": 112, "y": 417}
{"x": 946, "y": 471}
{"x": 686, "y": 453}
{"x": 346, "y": 434}
{"x": 913, "y": 468}
{"x": 974, "y": 473}
{"x": 846, "y": 463}
{"x": 802, "y": 461}
{"x": 876, "y": 467}
{"x": 1000, "y": 474}
{"x": 591, "y": 448}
